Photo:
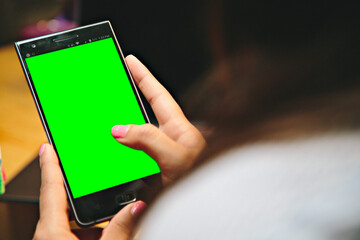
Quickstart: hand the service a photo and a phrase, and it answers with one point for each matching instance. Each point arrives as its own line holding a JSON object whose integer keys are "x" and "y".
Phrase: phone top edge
{"x": 17, "y": 43}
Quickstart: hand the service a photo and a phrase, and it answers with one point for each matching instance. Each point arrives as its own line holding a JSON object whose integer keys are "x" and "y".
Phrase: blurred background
{"x": 171, "y": 38}
{"x": 176, "y": 40}
{"x": 234, "y": 64}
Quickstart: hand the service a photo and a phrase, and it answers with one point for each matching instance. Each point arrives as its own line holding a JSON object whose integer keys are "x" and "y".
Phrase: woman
{"x": 175, "y": 139}
{"x": 282, "y": 155}
{"x": 251, "y": 185}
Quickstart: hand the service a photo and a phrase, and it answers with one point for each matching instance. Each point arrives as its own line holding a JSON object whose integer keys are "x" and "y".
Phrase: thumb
{"x": 165, "y": 151}
{"x": 150, "y": 139}
{"x": 122, "y": 224}
{"x": 53, "y": 204}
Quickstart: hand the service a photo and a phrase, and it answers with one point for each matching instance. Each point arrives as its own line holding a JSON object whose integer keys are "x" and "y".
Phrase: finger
{"x": 123, "y": 223}
{"x": 162, "y": 103}
{"x": 53, "y": 203}
{"x": 160, "y": 147}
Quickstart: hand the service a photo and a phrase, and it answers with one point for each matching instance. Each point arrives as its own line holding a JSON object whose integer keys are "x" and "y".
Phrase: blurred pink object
{"x": 46, "y": 27}
{"x": 2, "y": 177}
{"x": 3, "y": 173}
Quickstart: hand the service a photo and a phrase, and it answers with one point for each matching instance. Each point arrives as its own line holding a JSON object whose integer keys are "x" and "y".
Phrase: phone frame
{"x": 144, "y": 188}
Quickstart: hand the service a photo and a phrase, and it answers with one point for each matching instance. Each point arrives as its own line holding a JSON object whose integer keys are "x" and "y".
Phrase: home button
{"x": 125, "y": 198}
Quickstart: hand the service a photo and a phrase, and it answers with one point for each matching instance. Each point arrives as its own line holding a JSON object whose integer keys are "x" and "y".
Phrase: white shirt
{"x": 300, "y": 189}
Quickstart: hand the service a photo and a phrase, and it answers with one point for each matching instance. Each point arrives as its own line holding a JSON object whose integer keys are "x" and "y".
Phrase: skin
{"x": 175, "y": 145}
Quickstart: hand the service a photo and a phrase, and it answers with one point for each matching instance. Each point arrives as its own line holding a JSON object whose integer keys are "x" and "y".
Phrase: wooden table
{"x": 21, "y": 131}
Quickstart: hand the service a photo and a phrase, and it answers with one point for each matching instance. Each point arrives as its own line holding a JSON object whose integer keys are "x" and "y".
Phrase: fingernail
{"x": 119, "y": 131}
{"x": 41, "y": 150}
{"x": 138, "y": 208}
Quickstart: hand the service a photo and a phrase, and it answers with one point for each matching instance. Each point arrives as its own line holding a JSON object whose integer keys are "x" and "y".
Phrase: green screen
{"x": 84, "y": 91}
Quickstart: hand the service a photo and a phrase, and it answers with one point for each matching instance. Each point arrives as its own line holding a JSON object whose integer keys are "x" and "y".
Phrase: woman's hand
{"x": 176, "y": 144}
{"x": 54, "y": 220}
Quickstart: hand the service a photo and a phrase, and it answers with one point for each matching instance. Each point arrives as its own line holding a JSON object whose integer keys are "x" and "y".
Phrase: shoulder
{"x": 307, "y": 187}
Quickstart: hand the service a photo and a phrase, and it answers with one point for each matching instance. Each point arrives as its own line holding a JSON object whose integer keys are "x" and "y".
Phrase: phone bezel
{"x": 92, "y": 213}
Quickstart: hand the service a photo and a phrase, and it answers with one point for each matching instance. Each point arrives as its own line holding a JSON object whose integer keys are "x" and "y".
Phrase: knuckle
{"x": 42, "y": 231}
{"x": 148, "y": 132}
{"x": 47, "y": 163}
{"x": 141, "y": 84}
{"x": 143, "y": 81}
{"x": 201, "y": 142}
{"x": 49, "y": 184}
{"x": 41, "y": 235}
{"x": 38, "y": 236}
{"x": 187, "y": 159}
{"x": 144, "y": 137}
{"x": 120, "y": 227}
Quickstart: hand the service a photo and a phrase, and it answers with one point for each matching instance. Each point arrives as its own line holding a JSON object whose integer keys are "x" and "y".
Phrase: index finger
{"x": 53, "y": 203}
{"x": 162, "y": 103}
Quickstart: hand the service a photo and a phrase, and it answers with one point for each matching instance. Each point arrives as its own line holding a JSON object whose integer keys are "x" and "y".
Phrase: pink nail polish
{"x": 119, "y": 131}
{"x": 138, "y": 207}
{"x": 41, "y": 150}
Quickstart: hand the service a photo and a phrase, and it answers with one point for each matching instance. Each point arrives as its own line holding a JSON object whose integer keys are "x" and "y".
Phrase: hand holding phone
{"x": 54, "y": 221}
{"x": 82, "y": 87}
{"x": 176, "y": 143}
{"x": 175, "y": 134}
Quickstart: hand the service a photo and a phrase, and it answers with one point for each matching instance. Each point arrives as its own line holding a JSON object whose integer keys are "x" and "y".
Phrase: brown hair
{"x": 299, "y": 76}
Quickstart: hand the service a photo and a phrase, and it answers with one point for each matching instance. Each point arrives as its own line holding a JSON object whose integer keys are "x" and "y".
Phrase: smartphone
{"x": 82, "y": 87}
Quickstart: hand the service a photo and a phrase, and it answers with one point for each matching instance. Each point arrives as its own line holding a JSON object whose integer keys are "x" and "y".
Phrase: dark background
{"x": 171, "y": 38}
{"x": 286, "y": 51}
